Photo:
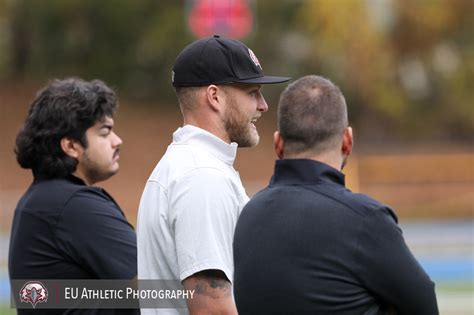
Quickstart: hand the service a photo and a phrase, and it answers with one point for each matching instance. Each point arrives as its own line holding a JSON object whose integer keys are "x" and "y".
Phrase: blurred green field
{"x": 456, "y": 298}
{"x": 6, "y": 310}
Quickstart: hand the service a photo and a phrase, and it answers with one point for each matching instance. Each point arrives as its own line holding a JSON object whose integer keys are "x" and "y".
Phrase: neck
{"x": 79, "y": 174}
{"x": 331, "y": 158}
{"x": 208, "y": 124}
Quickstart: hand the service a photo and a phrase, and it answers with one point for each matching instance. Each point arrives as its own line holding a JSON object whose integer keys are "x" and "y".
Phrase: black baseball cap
{"x": 218, "y": 60}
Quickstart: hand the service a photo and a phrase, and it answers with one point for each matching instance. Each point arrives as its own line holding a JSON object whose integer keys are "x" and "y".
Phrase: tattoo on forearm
{"x": 220, "y": 283}
{"x": 213, "y": 287}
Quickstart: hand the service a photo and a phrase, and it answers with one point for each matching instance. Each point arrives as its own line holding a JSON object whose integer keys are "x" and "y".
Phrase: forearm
{"x": 420, "y": 299}
{"x": 391, "y": 271}
{"x": 212, "y": 293}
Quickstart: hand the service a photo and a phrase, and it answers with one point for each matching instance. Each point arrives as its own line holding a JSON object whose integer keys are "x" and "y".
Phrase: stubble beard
{"x": 94, "y": 172}
{"x": 238, "y": 127}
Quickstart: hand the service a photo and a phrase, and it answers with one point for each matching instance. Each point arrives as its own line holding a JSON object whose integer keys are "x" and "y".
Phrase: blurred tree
{"x": 4, "y": 40}
{"x": 123, "y": 42}
{"x": 403, "y": 64}
{"x": 406, "y": 67}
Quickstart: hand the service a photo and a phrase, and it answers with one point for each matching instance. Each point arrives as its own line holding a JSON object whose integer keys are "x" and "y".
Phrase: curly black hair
{"x": 64, "y": 108}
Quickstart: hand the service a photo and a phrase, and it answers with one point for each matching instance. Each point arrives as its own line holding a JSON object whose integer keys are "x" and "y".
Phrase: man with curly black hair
{"x": 65, "y": 228}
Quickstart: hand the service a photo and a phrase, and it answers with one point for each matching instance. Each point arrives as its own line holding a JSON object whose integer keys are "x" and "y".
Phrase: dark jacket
{"x": 307, "y": 245}
{"x": 63, "y": 229}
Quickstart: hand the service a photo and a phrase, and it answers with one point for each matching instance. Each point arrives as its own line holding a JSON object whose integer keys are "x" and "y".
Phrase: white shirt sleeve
{"x": 203, "y": 211}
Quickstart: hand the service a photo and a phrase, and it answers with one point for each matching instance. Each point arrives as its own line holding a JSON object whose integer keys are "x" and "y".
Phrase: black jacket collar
{"x": 70, "y": 178}
{"x": 303, "y": 171}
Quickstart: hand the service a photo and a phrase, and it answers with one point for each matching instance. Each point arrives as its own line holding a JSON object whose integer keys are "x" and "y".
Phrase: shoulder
{"x": 182, "y": 161}
{"x": 88, "y": 194}
{"x": 91, "y": 201}
{"x": 91, "y": 212}
{"x": 362, "y": 204}
{"x": 205, "y": 190}
{"x": 206, "y": 174}
{"x": 206, "y": 181}
{"x": 370, "y": 207}
{"x": 270, "y": 194}
{"x": 50, "y": 195}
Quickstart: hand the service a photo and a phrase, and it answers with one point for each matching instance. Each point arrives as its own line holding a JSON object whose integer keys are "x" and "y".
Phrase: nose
{"x": 117, "y": 141}
{"x": 262, "y": 105}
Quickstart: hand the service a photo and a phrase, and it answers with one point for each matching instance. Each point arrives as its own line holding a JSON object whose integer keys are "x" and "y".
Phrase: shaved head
{"x": 312, "y": 115}
{"x": 188, "y": 96}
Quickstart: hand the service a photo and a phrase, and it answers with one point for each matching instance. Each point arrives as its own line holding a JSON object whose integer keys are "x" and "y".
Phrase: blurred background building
{"x": 406, "y": 68}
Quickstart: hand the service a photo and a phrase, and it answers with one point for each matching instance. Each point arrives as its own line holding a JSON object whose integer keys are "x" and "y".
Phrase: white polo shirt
{"x": 189, "y": 208}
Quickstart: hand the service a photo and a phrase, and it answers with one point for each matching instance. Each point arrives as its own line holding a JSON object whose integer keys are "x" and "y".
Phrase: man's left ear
{"x": 71, "y": 147}
{"x": 215, "y": 97}
{"x": 279, "y": 145}
{"x": 347, "y": 141}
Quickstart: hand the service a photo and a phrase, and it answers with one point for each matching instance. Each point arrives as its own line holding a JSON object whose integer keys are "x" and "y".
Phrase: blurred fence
{"x": 420, "y": 185}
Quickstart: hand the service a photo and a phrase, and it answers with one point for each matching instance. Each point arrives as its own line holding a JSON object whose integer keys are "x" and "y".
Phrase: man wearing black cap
{"x": 194, "y": 196}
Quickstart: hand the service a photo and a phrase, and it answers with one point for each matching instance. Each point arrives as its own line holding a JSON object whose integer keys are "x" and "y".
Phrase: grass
{"x": 6, "y": 310}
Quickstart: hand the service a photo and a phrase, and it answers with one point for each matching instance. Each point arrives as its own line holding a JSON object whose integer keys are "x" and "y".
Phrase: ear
{"x": 71, "y": 147}
{"x": 279, "y": 145}
{"x": 214, "y": 97}
{"x": 347, "y": 141}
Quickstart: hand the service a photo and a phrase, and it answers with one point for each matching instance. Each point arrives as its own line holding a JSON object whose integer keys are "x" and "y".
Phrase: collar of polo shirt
{"x": 220, "y": 149}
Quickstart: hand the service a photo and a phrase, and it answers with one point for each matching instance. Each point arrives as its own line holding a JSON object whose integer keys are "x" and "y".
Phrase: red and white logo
{"x": 33, "y": 292}
{"x": 254, "y": 59}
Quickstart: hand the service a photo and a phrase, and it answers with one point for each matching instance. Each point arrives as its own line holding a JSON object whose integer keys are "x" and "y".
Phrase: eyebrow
{"x": 254, "y": 88}
{"x": 107, "y": 125}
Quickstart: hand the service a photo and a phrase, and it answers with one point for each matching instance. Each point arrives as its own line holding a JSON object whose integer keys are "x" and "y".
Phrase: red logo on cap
{"x": 254, "y": 59}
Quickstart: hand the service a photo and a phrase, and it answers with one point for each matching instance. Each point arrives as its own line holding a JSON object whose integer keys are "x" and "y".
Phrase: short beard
{"x": 94, "y": 172}
{"x": 237, "y": 128}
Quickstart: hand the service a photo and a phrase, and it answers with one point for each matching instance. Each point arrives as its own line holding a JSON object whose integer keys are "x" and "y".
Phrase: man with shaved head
{"x": 308, "y": 245}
